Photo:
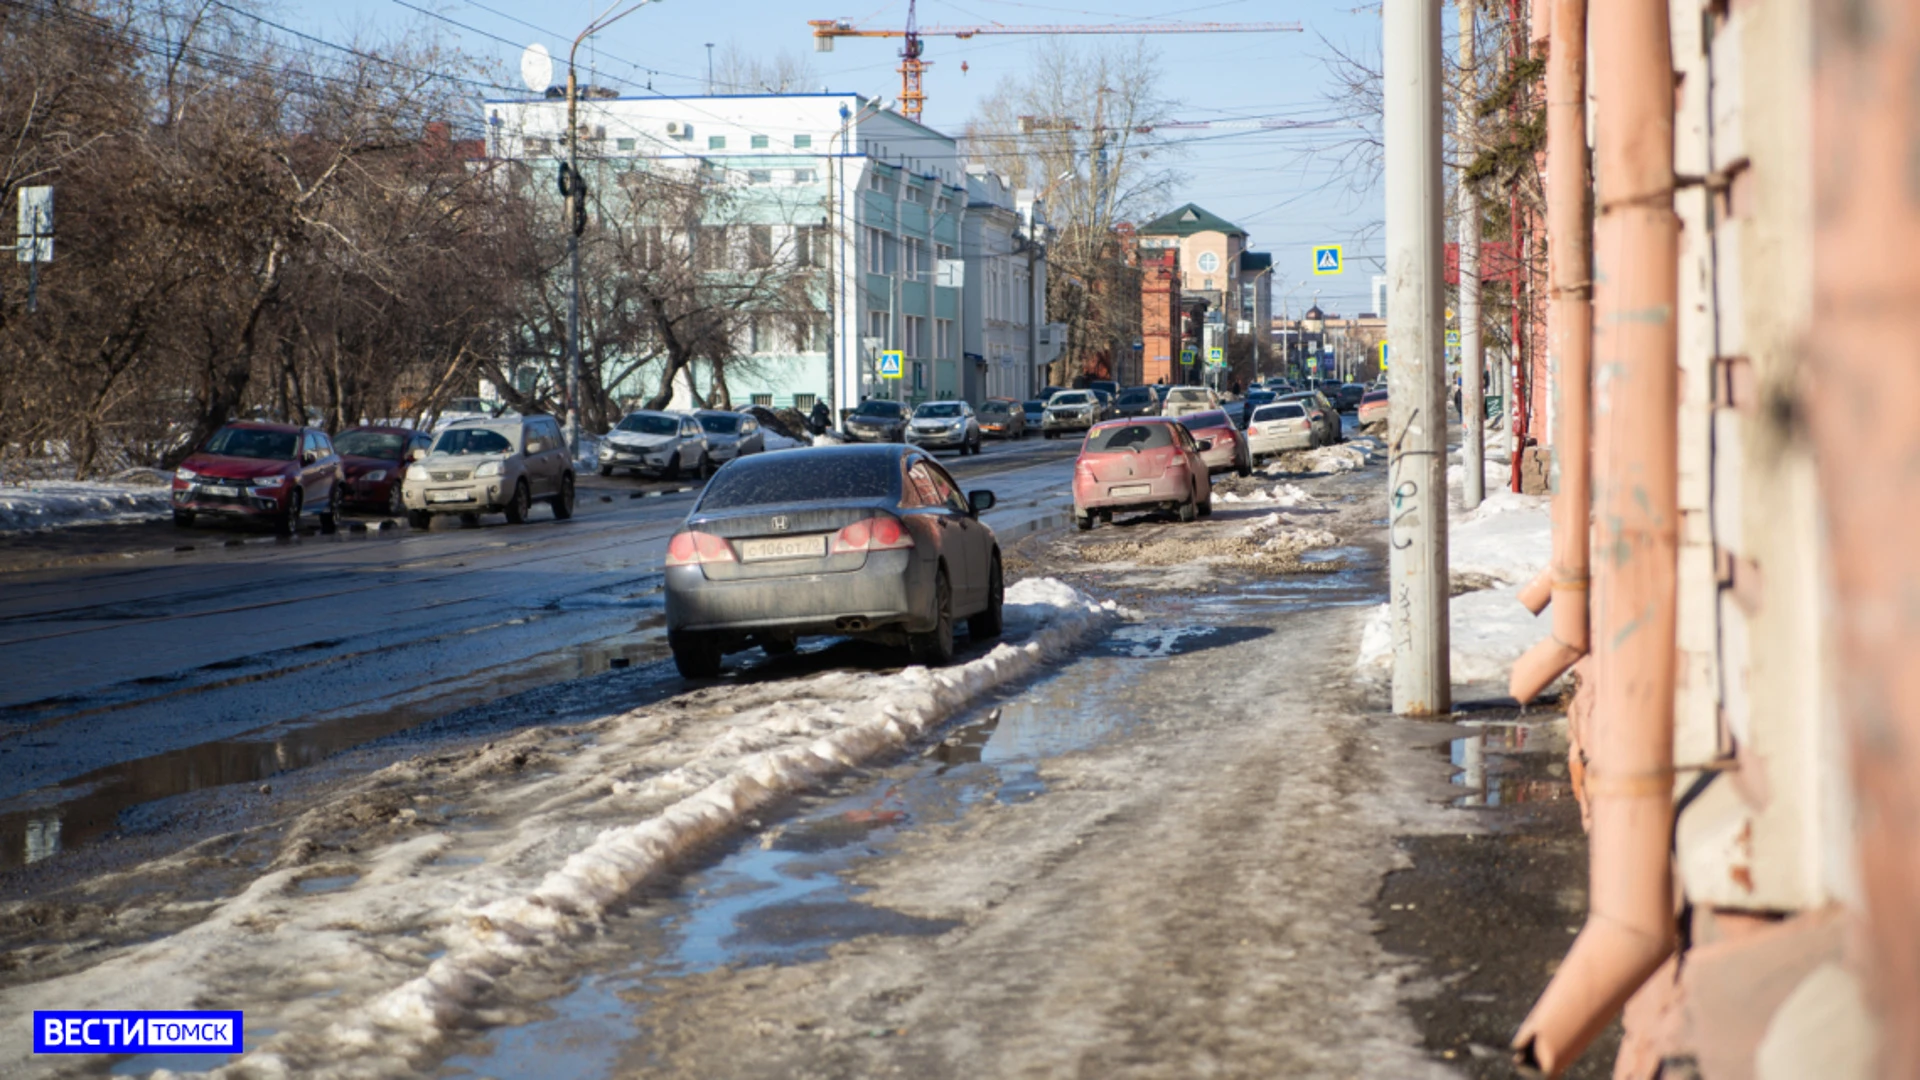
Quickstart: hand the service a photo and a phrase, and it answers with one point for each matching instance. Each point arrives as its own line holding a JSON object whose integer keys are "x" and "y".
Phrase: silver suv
{"x": 482, "y": 466}
{"x": 666, "y": 444}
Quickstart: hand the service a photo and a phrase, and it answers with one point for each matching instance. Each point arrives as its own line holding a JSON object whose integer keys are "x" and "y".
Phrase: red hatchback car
{"x": 260, "y": 472}
{"x": 374, "y": 459}
{"x": 1140, "y": 463}
{"x": 1229, "y": 450}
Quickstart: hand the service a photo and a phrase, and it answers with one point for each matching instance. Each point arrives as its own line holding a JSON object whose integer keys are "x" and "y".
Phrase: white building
{"x": 1006, "y": 284}
{"x": 893, "y": 196}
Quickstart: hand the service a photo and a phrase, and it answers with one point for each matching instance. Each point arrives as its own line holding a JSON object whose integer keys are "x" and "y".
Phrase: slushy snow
{"x": 143, "y": 495}
{"x": 368, "y": 979}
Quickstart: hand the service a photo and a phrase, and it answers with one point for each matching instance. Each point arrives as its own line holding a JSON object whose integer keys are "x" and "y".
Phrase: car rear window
{"x": 1288, "y": 411}
{"x": 1129, "y": 437}
{"x": 1187, "y": 393}
{"x": 1200, "y": 421}
{"x": 802, "y": 476}
{"x": 254, "y": 443}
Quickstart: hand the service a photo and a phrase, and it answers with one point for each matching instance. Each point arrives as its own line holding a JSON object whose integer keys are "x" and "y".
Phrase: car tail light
{"x": 693, "y": 548}
{"x": 873, "y": 534}
{"x": 1253, "y": 431}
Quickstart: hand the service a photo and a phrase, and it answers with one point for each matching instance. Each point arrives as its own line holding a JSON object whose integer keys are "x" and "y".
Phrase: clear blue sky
{"x": 1267, "y": 182}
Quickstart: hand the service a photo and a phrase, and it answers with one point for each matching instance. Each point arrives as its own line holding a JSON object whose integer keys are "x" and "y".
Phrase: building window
{"x": 916, "y": 252}
{"x": 716, "y": 142}
{"x": 810, "y": 245}
{"x": 877, "y": 327}
{"x": 709, "y": 247}
{"x": 759, "y": 246}
{"x": 625, "y": 144}
{"x": 801, "y": 142}
{"x": 914, "y": 343}
{"x": 943, "y": 339}
{"x": 539, "y": 147}
{"x": 803, "y": 176}
{"x": 765, "y": 400}
{"x": 943, "y": 251}
{"x": 803, "y": 402}
{"x": 759, "y": 176}
{"x": 758, "y": 142}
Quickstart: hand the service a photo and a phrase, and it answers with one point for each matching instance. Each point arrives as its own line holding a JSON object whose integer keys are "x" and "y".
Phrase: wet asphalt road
{"x": 140, "y": 673}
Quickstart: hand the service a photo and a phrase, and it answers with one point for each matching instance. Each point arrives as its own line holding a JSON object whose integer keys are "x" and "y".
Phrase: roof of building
{"x": 1188, "y": 220}
{"x": 1254, "y": 262}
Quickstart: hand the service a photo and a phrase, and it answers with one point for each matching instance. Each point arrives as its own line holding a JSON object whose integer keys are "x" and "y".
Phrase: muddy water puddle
{"x": 788, "y": 894}
{"x": 95, "y": 805}
{"x": 1510, "y": 762}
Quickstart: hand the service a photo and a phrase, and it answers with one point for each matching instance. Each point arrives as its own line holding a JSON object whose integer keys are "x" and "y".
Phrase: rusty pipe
{"x": 1535, "y": 594}
{"x": 1570, "y": 335}
{"x": 1630, "y": 922}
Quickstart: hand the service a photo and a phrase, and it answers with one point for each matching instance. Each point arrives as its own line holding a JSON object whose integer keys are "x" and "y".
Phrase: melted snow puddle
{"x": 1500, "y": 764}
{"x": 785, "y": 895}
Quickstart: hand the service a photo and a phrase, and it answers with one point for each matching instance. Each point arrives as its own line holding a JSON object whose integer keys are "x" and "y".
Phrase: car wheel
{"x": 672, "y": 471}
{"x": 697, "y": 656}
{"x": 419, "y": 519}
{"x": 396, "y": 501}
{"x": 935, "y": 647}
{"x": 469, "y": 520}
{"x": 1206, "y": 508}
{"x": 290, "y": 517}
{"x": 986, "y": 625}
{"x": 522, "y": 503}
{"x": 183, "y": 518}
{"x": 330, "y": 517}
{"x": 606, "y": 470}
{"x": 563, "y": 502}
{"x": 1245, "y": 468}
{"x": 1084, "y": 521}
{"x": 706, "y": 466}
{"x": 1189, "y": 510}
{"x": 778, "y": 646}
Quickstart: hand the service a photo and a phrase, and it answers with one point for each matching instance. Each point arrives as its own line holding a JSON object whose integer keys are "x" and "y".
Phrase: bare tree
{"x": 737, "y": 71}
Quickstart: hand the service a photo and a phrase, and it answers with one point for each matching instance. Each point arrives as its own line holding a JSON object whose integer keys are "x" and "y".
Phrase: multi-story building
{"x": 1003, "y": 243}
{"x": 876, "y": 202}
{"x": 1162, "y": 323}
{"x": 1229, "y": 288}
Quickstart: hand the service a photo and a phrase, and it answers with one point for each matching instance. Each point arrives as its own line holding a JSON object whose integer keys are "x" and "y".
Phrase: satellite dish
{"x": 536, "y": 68}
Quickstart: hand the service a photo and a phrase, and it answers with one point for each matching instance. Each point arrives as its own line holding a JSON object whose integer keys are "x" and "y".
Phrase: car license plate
{"x": 222, "y": 490}
{"x": 1130, "y": 489}
{"x": 447, "y": 496}
{"x": 784, "y": 547}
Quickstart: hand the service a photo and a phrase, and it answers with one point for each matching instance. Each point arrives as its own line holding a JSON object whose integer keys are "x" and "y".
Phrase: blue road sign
{"x": 890, "y": 362}
{"x": 1326, "y": 259}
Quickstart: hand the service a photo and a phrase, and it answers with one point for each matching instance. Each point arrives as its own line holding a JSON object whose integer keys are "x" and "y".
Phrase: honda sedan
{"x": 874, "y": 542}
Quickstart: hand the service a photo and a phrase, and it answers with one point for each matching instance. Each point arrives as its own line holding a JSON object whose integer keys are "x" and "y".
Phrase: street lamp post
{"x": 574, "y": 187}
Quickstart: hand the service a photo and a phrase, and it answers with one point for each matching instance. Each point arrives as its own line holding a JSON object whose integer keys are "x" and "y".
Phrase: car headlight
{"x": 377, "y": 474}
{"x": 268, "y": 481}
{"x": 489, "y": 468}
{"x": 184, "y": 473}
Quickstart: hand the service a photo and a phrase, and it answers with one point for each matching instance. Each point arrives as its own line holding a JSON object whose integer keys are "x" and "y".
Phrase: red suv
{"x": 261, "y": 472}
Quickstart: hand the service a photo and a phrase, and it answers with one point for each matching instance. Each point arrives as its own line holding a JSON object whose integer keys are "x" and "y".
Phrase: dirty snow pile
{"x": 1283, "y": 495}
{"x": 1275, "y": 533}
{"x": 1268, "y": 545}
{"x": 369, "y": 979}
{"x": 828, "y": 438}
{"x": 773, "y": 440}
{"x": 1492, "y": 550}
{"x": 1338, "y": 458}
{"x": 136, "y": 495}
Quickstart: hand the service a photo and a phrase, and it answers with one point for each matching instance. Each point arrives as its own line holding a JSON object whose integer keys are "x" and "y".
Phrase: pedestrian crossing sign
{"x": 1326, "y": 259}
{"x": 1187, "y": 357}
{"x": 890, "y": 362}
{"x": 1453, "y": 337}
{"x": 1215, "y": 356}
{"x": 1383, "y": 356}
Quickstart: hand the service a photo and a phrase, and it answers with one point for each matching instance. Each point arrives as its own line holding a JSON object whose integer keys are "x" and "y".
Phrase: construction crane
{"x": 912, "y": 67}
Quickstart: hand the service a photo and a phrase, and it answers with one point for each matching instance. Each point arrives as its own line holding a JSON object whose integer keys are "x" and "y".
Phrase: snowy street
{"x": 492, "y": 833}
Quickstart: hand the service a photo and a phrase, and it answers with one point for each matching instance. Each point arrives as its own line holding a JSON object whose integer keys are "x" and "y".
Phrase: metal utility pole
{"x": 1473, "y": 405}
{"x": 1416, "y": 308}
{"x": 574, "y": 187}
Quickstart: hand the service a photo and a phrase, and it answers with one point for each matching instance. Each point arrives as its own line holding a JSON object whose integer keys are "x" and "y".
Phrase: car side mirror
{"x": 980, "y": 502}
{"x": 308, "y": 457}
{"x": 1206, "y": 445}
{"x": 418, "y": 453}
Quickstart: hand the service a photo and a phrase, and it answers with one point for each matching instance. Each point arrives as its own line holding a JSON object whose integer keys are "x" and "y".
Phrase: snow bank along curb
{"x": 382, "y": 1037}
{"x": 44, "y": 504}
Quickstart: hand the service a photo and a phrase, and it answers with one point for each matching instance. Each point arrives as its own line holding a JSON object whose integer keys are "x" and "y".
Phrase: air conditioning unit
{"x": 678, "y": 130}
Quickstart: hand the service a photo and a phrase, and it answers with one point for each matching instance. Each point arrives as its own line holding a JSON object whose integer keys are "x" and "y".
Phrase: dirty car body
{"x": 1229, "y": 450}
{"x": 856, "y": 540}
{"x": 1139, "y": 464}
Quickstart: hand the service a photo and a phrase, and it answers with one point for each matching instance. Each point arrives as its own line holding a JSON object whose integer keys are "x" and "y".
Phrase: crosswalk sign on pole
{"x": 1187, "y": 357}
{"x": 1383, "y": 356}
{"x": 890, "y": 363}
{"x": 1215, "y": 356}
{"x": 1453, "y": 337}
{"x": 1326, "y": 259}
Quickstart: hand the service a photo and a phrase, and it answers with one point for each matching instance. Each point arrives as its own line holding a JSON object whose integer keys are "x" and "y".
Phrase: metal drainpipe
{"x": 1630, "y": 922}
{"x": 1862, "y": 390}
{"x": 1570, "y": 331}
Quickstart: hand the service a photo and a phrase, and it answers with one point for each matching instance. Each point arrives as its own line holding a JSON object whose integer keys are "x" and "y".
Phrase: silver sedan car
{"x": 872, "y": 541}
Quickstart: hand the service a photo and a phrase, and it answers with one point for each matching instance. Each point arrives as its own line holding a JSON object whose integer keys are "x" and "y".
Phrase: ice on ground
{"x": 1490, "y": 630}
{"x": 1507, "y": 539}
{"x": 1283, "y": 495}
{"x": 1341, "y": 457}
{"x": 773, "y": 440}
{"x": 828, "y": 438}
{"x": 366, "y": 980}
{"x": 1495, "y": 474}
{"x": 140, "y": 495}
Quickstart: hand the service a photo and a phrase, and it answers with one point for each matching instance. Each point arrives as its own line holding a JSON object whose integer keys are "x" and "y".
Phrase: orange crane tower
{"x": 912, "y": 97}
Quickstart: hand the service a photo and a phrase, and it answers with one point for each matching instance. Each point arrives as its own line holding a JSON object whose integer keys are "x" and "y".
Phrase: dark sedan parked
{"x": 870, "y": 541}
{"x": 374, "y": 459}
